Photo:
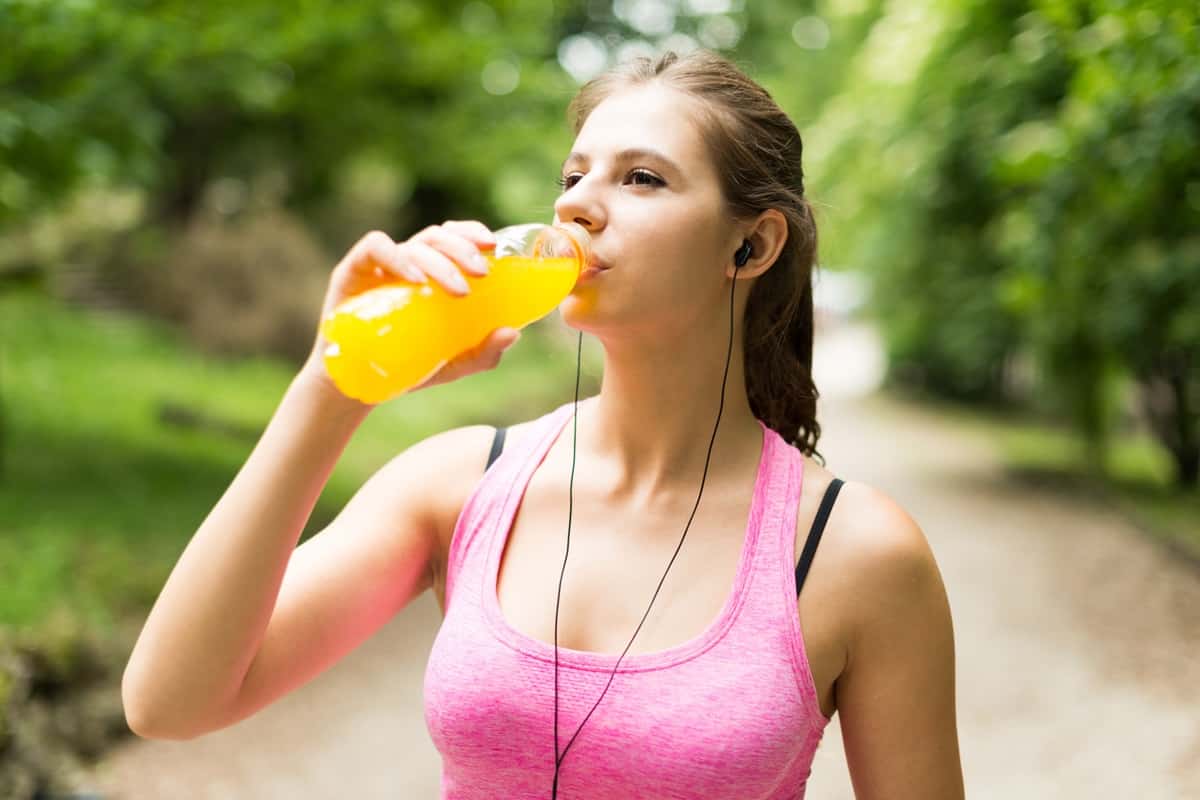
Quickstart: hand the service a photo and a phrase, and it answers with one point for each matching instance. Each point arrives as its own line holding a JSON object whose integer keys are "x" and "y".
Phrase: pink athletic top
{"x": 733, "y": 713}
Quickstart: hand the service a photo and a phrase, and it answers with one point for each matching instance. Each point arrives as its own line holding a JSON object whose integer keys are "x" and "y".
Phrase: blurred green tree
{"x": 1033, "y": 187}
{"x": 1113, "y": 268}
{"x": 172, "y": 97}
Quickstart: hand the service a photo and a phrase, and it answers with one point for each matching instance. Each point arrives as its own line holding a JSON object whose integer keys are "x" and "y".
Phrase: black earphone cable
{"x": 739, "y": 261}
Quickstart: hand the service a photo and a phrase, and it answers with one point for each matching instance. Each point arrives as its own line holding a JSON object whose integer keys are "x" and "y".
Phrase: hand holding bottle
{"x": 442, "y": 253}
{"x": 395, "y": 332}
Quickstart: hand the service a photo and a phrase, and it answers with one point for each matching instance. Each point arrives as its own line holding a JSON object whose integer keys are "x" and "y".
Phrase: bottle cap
{"x": 565, "y": 240}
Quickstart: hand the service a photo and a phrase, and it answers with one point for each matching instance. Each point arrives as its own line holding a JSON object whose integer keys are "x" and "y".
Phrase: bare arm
{"x": 343, "y": 584}
{"x": 896, "y": 697}
{"x": 206, "y": 625}
{"x": 241, "y": 620}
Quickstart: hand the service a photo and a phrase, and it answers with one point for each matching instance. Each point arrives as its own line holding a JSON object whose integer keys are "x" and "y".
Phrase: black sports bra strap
{"x": 497, "y": 446}
{"x": 814, "y": 535}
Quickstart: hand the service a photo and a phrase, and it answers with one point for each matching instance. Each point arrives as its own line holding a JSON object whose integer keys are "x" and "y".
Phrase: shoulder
{"x": 886, "y": 540}
{"x": 898, "y": 614}
{"x": 458, "y": 459}
{"x": 879, "y": 565}
{"x": 896, "y": 690}
{"x": 451, "y": 463}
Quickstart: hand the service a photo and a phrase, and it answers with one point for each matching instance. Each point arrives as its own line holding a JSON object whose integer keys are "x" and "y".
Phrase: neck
{"x": 649, "y": 429}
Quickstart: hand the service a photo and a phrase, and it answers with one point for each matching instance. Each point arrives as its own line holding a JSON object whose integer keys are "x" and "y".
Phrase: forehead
{"x": 652, "y": 117}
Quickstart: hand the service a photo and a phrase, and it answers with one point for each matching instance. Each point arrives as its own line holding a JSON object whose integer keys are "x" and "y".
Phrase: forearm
{"x": 208, "y": 622}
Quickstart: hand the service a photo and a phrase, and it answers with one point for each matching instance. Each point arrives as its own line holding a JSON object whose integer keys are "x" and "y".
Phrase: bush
{"x": 250, "y": 286}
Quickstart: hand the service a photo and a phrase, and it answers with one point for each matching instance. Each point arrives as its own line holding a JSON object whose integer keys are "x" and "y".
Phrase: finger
{"x": 505, "y": 338}
{"x": 486, "y": 355}
{"x": 497, "y": 344}
{"x": 461, "y": 249}
{"x": 437, "y": 265}
{"x": 474, "y": 230}
{"x": 385, "y": 253}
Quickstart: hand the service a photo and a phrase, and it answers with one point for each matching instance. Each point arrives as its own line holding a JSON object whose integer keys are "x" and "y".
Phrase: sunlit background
{"x": 1008, "y": 197}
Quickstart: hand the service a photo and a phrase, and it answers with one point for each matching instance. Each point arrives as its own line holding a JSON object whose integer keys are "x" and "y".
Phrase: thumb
{"x": 507, "y": 337}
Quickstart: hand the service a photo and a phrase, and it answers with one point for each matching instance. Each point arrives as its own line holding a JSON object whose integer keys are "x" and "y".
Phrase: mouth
{"x": 592, "y": 269}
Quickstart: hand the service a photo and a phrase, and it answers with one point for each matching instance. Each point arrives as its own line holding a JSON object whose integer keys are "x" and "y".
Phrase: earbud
{"x": 743, "y": 254}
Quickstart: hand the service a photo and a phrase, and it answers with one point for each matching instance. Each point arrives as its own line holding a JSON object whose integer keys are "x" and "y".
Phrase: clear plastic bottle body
{"x": 391, "y": 338}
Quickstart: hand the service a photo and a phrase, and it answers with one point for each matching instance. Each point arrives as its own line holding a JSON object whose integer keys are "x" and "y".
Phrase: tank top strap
{"x": 768, "y": 623}
{"x": 778, "y": 562}
{"x": 777, "y": 505}
{"x": 498, "y": 488}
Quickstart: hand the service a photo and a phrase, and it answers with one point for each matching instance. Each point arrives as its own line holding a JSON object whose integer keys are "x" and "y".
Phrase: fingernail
{"x": 460, "y": 283}
{"x": 480, "y": 264}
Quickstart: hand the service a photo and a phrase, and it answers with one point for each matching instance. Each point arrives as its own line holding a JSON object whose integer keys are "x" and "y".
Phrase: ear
{"x": 767, "y": 235}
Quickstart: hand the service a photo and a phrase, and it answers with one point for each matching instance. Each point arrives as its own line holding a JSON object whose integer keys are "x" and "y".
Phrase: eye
{"x": 641, "y": 177}
{"x": 567, "y": 181}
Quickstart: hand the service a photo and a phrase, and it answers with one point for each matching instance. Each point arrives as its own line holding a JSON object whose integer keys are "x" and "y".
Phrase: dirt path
{"x": 1078, "y": 645}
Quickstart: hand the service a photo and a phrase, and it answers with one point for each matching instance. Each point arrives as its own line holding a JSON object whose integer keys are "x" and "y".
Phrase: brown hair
{"x": 757, "y": 152}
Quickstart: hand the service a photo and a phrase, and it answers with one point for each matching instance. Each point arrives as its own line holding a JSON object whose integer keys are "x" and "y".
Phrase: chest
{"x": 617, "y": 557}
{"x": 616, "y": 560}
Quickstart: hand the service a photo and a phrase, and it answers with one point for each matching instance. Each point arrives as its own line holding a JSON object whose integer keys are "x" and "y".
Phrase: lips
{"x": 593, "y": 269}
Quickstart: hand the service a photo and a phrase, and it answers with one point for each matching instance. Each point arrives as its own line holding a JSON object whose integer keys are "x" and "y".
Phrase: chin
{"x": 581, "y": 310}
{"x": 609, "y": 314}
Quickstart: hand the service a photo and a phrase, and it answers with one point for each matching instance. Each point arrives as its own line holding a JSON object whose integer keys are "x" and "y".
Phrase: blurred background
{"x": 1008, "y": 195}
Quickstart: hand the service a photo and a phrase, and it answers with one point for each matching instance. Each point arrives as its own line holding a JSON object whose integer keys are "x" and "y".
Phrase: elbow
{"x": 141, "y": 725}
{"x": 147, "y": 726}
{"x": 140, "y": 722}
{"x": 147, "y": 719}
{"x": 140, "y": 719}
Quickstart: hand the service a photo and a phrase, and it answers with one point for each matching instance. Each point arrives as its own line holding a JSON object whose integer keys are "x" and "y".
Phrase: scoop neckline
{"x": 632, "y": 662}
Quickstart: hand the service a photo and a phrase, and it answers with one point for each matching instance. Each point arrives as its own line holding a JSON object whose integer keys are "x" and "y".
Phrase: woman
{"x": 687, "y": 176}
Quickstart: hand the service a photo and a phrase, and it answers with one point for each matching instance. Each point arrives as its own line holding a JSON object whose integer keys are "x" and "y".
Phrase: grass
{"x": 1137, "y": 476}
{"x": 98, "y": 495}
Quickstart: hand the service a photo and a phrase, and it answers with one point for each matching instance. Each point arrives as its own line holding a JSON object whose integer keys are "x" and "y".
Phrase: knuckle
{"x": 375, "y": 238}
{"x": 469, "y": 227}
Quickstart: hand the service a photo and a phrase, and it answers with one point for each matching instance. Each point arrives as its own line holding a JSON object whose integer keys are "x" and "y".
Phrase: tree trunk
{"x": 1171, "y": 409}
{"x": 1187, "y": 440}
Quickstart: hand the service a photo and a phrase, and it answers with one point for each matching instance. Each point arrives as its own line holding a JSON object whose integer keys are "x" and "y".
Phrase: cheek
{"x": 668, "y": 272}
{"x": 698, "y": 230}
{"x": 684, "y": 234}
{"x": 692, "y": 262}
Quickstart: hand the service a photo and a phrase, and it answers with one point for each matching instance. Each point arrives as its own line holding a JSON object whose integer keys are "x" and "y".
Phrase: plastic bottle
{"x": 391, "y": 338}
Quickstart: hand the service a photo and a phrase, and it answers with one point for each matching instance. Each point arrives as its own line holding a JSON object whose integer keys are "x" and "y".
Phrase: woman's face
{"x": 640, "y": 179}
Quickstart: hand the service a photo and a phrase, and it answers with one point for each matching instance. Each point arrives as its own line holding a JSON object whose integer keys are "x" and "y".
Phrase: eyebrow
{"x": 630, "y": 154}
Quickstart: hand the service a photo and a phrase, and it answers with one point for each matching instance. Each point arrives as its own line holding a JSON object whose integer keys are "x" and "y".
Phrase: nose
{"x": 581, "y": 204}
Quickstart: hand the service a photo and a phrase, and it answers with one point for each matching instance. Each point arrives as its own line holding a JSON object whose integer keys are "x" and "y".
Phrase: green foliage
{"x": 170, "y": 97}
{"x": 431, "y": 110}
{"x": 247, "y": 286}
{"x": 1033, "y": 190}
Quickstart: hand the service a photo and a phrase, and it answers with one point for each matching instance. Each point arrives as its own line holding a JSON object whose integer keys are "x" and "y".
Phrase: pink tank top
{"x": 733, "y": 713}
